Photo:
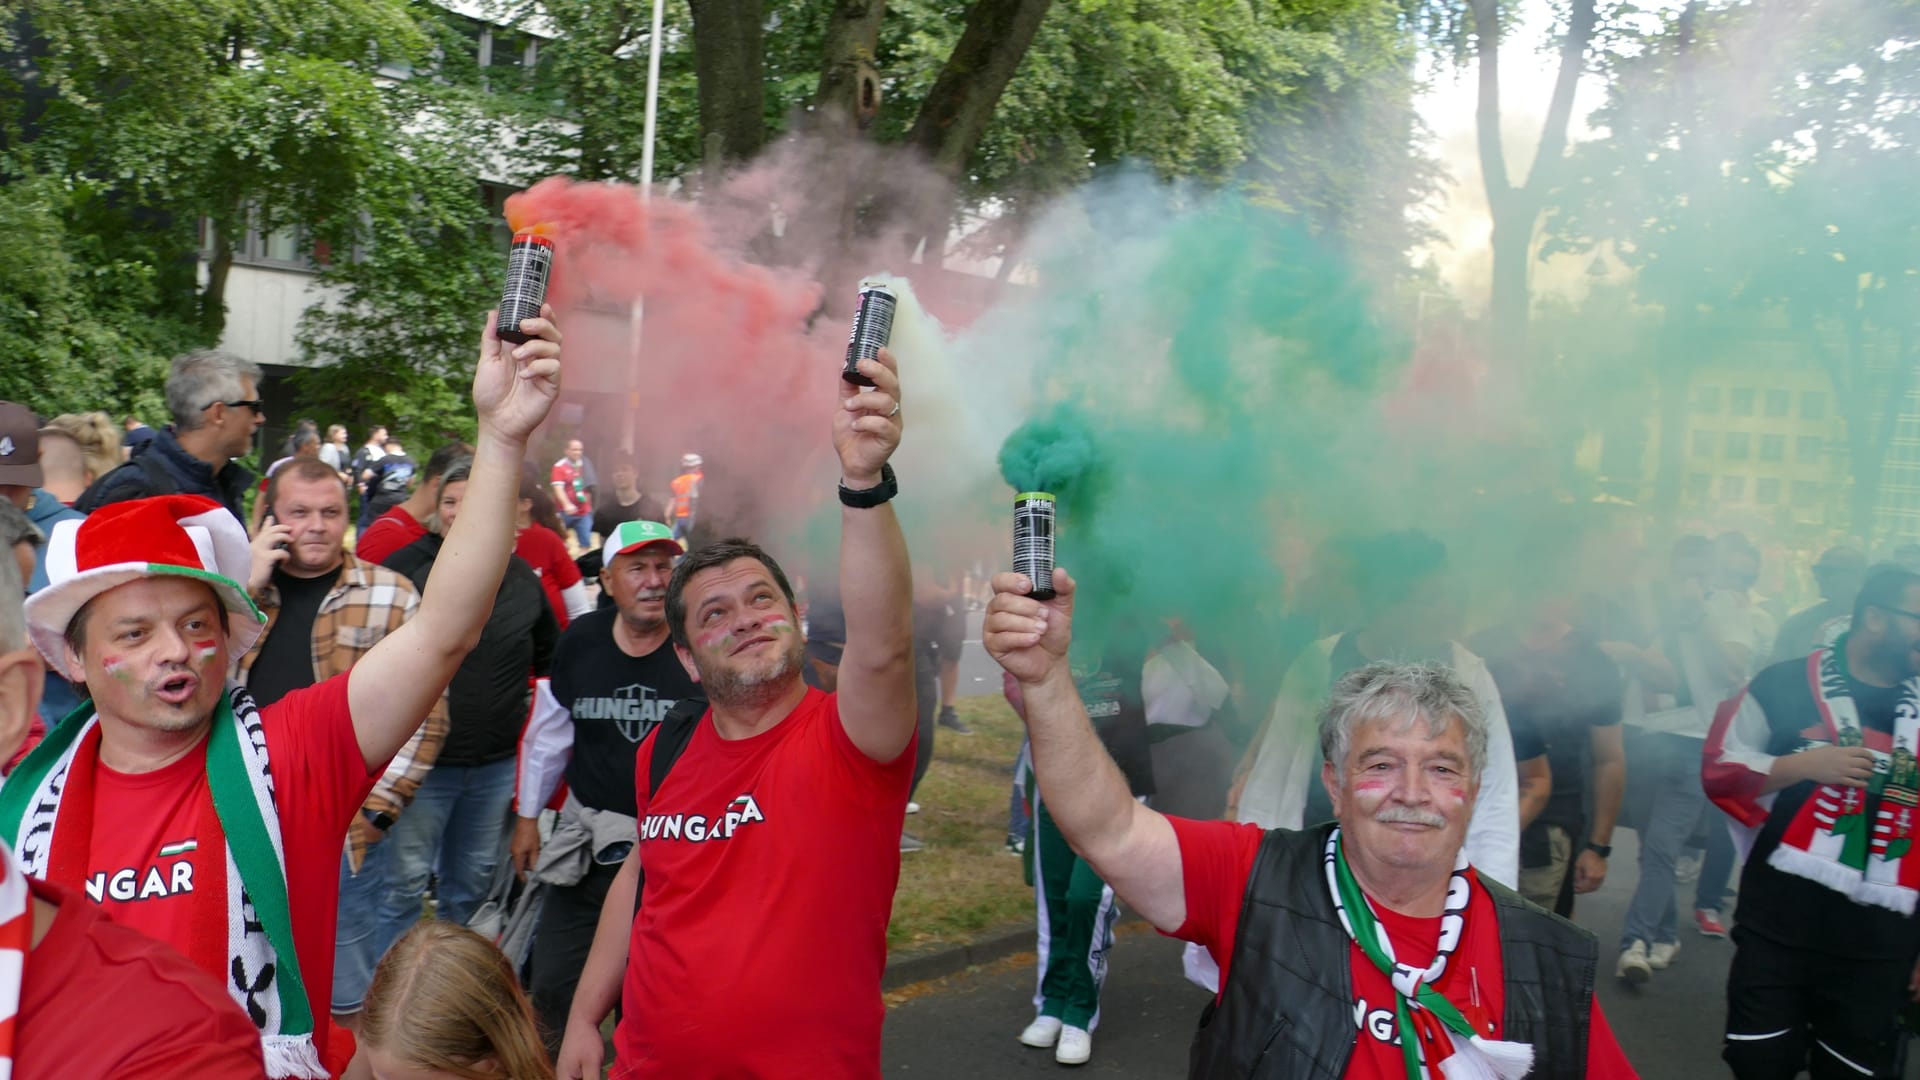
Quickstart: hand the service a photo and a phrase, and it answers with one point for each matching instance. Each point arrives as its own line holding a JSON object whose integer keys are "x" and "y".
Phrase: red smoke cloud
{"x": 727, "y": 366}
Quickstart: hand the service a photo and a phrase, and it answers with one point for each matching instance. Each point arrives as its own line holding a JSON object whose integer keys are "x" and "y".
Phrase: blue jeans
{"x": 354, "y": 957}
{"x": 459, "y": 822}
{"x": 1716, "y": 871}
{"x": 582, "y": 526}
{"x": 1678, "y": 800}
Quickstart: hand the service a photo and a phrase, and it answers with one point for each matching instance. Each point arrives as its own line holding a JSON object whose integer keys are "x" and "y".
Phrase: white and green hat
{"x": 633, "y": 535}
{"x": 188, "y": 535}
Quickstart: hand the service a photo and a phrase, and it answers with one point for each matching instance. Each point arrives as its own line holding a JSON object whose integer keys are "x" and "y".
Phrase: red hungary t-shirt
{"x": 762, "y": 934}
{"x": 147, "y": 850}
{"x": 1216, "y": 859}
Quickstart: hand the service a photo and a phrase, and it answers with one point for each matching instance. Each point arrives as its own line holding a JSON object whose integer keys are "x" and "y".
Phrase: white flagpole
{"x": 637, "y": 317}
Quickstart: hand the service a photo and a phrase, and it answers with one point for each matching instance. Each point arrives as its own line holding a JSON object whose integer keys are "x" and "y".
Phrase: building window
{"x": 1740, "y": 402}
{"x": 1808, "y": 449}
{"x": 1779, "y": 403}
{"x": 495, "y": 196}
{"x": 285, "y": 249}
{"x": 1699, "y": 486}
{"x": 1703, "y": 444}
{"x": 1733, "y": 489}
{"x": 1739, "y": 444}
{"x": 1706, "y": 400}
{"x": 1773, "y": 448}
{"x": 1766, "y": 492}
{"x": 1813, "y": 405}
{"x": 1806, "y": 494}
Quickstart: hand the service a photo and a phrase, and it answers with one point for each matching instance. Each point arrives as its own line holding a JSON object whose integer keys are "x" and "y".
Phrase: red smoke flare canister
{"x": 529, "y": 263}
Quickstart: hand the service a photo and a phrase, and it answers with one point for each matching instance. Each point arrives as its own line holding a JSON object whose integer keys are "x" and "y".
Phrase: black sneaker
{"x": 952, "y": 722}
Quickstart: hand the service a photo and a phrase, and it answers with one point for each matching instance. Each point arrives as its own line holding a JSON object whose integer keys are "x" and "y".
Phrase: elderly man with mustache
{"x": 1367, "y": 947}
{"x": 615, "y": 676}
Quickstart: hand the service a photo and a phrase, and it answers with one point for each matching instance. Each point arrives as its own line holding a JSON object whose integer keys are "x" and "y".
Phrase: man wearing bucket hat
{"x": 615, "y": 676}
{"x": 169, "y": 798}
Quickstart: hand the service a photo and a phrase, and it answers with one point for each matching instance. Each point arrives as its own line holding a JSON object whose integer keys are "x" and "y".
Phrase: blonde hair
{"x": 443, "y": 998}
{"x": 99, "y": 439}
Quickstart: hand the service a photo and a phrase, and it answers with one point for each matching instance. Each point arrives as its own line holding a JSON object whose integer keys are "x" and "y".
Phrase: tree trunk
{"x": 1675, "y": 382}
{"x": 849, "y": 92}
{"x": 213, "y": 301}
{"x": 962, "y": 99}
{"x": 1515, "y": 209}
{"x": 959, "y": 105}
{"x": 728, "y": 60}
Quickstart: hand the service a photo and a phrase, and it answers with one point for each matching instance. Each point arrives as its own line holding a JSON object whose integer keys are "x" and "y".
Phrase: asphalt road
{"x": 964, "y": 1028}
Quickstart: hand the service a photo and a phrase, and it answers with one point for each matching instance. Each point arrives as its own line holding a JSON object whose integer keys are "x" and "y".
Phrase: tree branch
{"x": 1553, "y": 132}
{"x": 1493, "y": 156}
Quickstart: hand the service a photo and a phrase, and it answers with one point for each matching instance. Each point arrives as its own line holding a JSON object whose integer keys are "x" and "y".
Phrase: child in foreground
{"x": 443, "y": 1004}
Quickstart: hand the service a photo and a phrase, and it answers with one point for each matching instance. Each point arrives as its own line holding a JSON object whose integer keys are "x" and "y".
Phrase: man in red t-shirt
{"x": 771, "y": 851}
{"x": 1370, "y": 943}
{"x": 573, "y": 484}
{"x": 407, "y": 522}
{"x": 63, "y": 958}
{"x": 147, "y": 800}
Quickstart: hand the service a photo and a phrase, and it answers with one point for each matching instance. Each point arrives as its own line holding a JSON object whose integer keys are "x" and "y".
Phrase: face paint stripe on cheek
{"x": 205, "y": 651}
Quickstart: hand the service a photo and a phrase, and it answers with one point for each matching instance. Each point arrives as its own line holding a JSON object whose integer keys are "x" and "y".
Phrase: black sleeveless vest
{"x": 1287, "y": 1008}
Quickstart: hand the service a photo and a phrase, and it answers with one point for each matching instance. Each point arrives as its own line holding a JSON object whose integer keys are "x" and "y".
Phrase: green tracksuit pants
{"x": 1076, "y": 912}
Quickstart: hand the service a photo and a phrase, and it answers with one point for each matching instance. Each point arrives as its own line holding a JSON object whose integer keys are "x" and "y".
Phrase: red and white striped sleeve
{"x": 1735, "y": 764}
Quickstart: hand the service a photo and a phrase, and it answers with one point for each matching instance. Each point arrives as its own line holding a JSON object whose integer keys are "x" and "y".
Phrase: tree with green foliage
{"x": 1757, "y": 172}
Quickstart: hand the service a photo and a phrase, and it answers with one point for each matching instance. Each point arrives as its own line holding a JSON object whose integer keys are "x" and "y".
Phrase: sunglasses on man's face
{"x": 255, "y": 404}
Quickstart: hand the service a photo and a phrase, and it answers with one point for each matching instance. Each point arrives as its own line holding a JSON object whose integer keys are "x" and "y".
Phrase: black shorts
{"x": 1791, "y": 1010}
{"x": 951, "y": 632}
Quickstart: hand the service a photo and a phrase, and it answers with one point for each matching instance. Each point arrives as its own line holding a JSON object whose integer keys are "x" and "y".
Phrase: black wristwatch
{"x": 379, "y": 819}
{"x": 867, "y": 498}
{"x": 1605, "y": 851}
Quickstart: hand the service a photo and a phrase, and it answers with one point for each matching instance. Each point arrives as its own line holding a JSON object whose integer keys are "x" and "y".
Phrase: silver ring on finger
{"x": 895, "y": 412}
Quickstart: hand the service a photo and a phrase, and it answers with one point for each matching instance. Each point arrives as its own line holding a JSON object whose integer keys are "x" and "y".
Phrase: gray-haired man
{"x": 1368, "y": 944}
{"x": 214, "y": 398}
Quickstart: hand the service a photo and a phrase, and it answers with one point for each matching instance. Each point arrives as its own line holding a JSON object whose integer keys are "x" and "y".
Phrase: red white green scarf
{"x": 1830, "y": 839}
{"x": 241, "y": 931}
{"x": 16, "y": 940}
{"x": 1432, "y": 1029}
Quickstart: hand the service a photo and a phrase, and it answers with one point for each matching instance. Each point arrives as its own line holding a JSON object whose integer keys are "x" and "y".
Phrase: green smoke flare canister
{"x": 872, "y": 329}
{"x": 1033, "y": 541}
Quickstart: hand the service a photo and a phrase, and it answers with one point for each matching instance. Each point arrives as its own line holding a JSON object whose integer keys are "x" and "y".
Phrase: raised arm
{"x": 1133, "y": 848}
{"x": 393, "y": 686}
{"x": 876, "y": 584}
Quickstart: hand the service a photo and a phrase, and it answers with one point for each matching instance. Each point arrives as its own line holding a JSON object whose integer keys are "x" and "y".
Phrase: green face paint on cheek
{"x": 117, "y": 667}
{"x": 721, "y": 639}
{"x": 204, "y": 652}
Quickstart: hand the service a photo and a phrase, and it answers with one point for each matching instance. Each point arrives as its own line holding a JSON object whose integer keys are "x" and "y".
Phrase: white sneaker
{"x": 1634, "y": 966}
{"x": 1661, "y": 955}
{"x": 913, "y": 808}
{"x": 1076, "y": 1046}
{"x": 1042, "y": 1033}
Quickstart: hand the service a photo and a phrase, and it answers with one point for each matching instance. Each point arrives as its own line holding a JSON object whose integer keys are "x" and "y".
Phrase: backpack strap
{"x": 670, "y": 738}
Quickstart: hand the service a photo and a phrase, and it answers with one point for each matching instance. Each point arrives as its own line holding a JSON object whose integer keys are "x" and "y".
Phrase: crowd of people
{"x": 254, "y": 731}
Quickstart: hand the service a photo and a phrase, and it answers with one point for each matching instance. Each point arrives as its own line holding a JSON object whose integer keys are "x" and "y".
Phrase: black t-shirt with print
{"x": 615, "y": 699}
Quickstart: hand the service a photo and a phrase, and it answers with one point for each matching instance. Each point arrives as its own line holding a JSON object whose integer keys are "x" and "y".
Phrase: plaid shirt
{"x": 366, "y": 604}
